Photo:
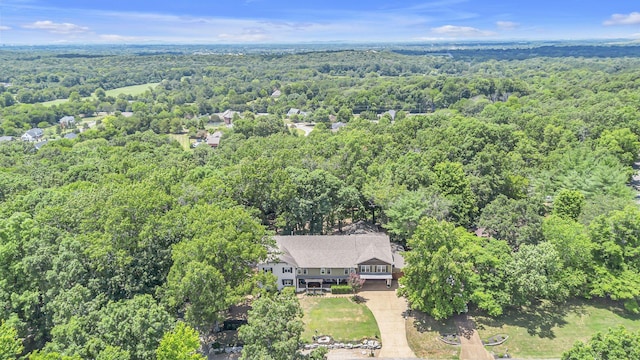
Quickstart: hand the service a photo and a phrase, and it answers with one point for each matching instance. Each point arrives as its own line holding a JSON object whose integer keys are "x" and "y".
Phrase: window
{"x": 287, "y": 282}
{"x": 381, "y": 268}
{"x": 325, "y": 271}
{"x": 287, "y": 270}
{"x": 346, "y": 271}
{"x": 268, "y": 269}
{"x": 365, "y": 268}
{"x": 304, "y": 271}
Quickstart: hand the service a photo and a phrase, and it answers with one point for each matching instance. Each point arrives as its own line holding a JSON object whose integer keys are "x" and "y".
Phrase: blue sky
{"x": 284, "y": 21}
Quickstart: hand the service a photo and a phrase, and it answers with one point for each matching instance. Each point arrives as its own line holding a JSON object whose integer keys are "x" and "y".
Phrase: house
{"x": 319, "y": 261}
{"x": 33, "y": 135}
{"x": 71, "y": 136}
{"x": 6, "y": 138}
{"x": 293, "y": 111}
{"x": 337, "y": 126}
{"x": 227, "y": 116}
{"x": 213, "y": 140}
{"x": 67, "y": 121}
{"x": 276, "y": 94}
{"x": 40, "y": 144}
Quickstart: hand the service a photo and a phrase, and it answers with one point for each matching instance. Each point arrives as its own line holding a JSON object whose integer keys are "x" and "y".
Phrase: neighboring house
{"x": 337, "y": 126}
{"x": 40, "y": 144}
{"x": 276, "y": 94}
{"x": 319, "y": 261}
{"x": 71, "y": 136}
{"x": 6, "y": 138}
{"x": 293, "y": 111}
{"x": 33, "y": 135}
{"x": 227, "y": 116}
{"x": 213, "y": 140}
{"x": 67, "y": 121}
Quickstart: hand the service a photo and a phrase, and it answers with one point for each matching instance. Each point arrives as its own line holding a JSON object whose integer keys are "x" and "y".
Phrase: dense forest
{"x": 508, "y": 179}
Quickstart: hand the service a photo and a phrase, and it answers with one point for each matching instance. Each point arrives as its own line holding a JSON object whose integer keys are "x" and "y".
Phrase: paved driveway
{"x": 388, "y": 309}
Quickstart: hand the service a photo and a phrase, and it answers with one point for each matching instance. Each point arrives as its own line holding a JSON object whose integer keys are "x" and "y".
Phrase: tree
{"x": 273, "y": 329}
{"x": 10, "y": 345}
{"x": 355, "y": 282}
{"x": 180, "y": 344}
{"x": 618, "y": 343}
{"x": 515, "y": 221}
{"x": 439, "y": 276}
{"x": 568, "y": 204}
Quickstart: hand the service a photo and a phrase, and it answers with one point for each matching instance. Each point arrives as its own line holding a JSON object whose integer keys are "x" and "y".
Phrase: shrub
{"x": 340, "y": 289}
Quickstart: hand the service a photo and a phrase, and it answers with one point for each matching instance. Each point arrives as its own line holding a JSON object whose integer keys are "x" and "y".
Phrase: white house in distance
{"x": 33, "y": 135}
{"x": 67, "y": 121}
{"x": 319, "y": 261}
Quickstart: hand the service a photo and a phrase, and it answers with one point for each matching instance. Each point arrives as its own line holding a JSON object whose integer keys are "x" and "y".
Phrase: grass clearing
{"x": 422, "y": 334}
{"x": 540, "y": 332}
{"x": 338, "y": 317}
{"x": 183, "y": 139}
{"x": 132, "y": 90}
{"x": 547, "y": 331}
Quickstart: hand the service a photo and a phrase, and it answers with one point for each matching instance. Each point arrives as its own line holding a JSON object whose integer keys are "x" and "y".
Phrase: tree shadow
{"x": 425, "y": 323}
{"x": 538, "y": 319}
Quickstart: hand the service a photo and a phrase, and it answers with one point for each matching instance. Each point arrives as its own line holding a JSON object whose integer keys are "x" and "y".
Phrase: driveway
{"x": 388, "y": 310}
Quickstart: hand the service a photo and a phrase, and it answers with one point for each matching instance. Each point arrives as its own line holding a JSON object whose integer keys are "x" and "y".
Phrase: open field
{"x": 340, "y": 318}
{"x": 540, "y": 332}
{"x": 127, "y": 90}
{"x": 132, "y": 90}
{"x": 183, "y": 139}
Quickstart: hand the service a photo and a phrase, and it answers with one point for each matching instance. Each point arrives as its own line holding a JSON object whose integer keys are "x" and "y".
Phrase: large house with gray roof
{"x": 319, "y": 261}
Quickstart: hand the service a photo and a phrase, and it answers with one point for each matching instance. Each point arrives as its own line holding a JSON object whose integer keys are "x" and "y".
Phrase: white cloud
{"x": 251, "y": 34}
{"x": 507, "y": 25}
{"x": 4, "y": 28}
{"x": 56, "y": 28}
{"x": 461, "y": 31}
{"x": 116, "y": 38}
{"x": 624, "y": 19}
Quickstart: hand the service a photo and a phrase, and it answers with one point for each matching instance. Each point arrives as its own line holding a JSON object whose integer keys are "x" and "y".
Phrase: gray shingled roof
{"x": 337, "y": 251}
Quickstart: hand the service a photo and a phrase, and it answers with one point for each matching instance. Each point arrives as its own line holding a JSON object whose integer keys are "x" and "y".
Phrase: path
{"x": 388, "y": 309}
{"x": 471, "y": 347}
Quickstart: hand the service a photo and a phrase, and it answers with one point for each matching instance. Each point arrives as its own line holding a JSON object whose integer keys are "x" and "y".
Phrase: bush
{"x": 340, "y": 289}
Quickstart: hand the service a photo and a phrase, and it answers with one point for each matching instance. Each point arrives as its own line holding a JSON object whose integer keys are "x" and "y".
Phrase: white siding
{"x": 278, "y": 271}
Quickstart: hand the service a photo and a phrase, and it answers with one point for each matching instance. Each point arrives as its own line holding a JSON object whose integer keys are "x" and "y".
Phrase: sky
{"x": 37, "y": 22}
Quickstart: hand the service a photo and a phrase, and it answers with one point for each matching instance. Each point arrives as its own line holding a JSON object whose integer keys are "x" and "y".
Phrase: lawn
{"x": 548, "y": 331}
{"x": 539, "y": 332}
{"x": 183, "y": 139}
{"x": 422, "y": 335}
{"x": 127, "y": 90}
{"x": 340, "y": 318}
{"x": 131, "y": 90}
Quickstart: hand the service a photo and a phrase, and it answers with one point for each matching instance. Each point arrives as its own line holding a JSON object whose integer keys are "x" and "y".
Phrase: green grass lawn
{"x": 541, "y": 332}
{"x": 127, "y": 90}
{"x": 548, "y": 331}
{"x": 422, "y": 334}
{"x": 131, "y": 90}
{"x": 340, "y": 318}
{"x": 183, "y": 139}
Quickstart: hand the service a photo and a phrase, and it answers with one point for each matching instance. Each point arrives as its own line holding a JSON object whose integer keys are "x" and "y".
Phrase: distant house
{"x": 71, "y": 136}
{"x": 392, "y": 113}
{"x": 67, "y": 121}
{"x": 33, "y": 135}
{"x": 276, "y": 94}
{"x": 40, "y": 144}
{"x": 318, "y": 261}
{"x": 213, "y": 140}
{"x": 126, "y": 114}
{"x": 227, "y": 116}
{"x": 337, "y": 126}
{"x": 6, "y": 138}
{"x": 293, "y": 111}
